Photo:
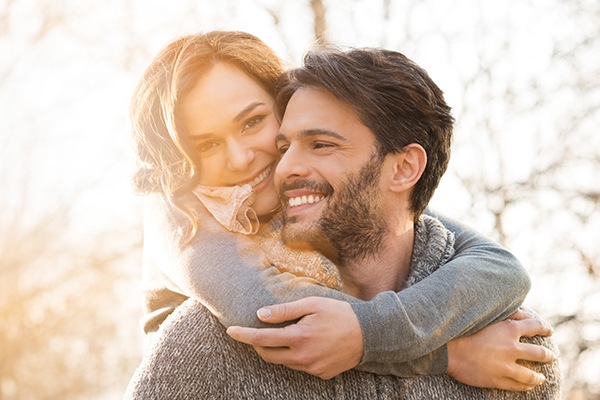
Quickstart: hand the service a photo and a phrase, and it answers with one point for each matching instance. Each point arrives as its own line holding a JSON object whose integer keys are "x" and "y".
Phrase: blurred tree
{"x": 63, "y": 295}
{"x": 526, "y": 127}
{"x": 522, "y": 77}
{"x": 320, "y": 26}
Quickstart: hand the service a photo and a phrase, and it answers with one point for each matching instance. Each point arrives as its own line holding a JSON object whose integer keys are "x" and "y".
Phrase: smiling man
{"x": 365, "y": 140}
{"x": 363, "y": 220}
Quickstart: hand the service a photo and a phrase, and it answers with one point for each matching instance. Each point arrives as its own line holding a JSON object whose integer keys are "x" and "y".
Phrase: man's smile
{"x": 304, "y": 199}
{"x": 303, "y": 195}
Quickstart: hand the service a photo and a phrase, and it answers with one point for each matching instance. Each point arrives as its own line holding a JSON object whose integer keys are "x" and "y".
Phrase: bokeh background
{"x": 523, "y": 78}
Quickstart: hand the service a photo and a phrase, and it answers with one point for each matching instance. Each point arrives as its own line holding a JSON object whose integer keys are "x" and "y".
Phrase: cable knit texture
{"x": 193, "y": 358}
{"x": 311, "y": 264}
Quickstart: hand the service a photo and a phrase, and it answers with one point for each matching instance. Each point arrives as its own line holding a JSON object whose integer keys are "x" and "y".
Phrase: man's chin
{"x": 294, "y": 235}
{"x": 308, "y": 238}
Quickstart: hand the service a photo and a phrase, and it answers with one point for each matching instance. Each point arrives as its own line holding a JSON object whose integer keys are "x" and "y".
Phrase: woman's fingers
{"x": 523, "y": 378}
{"x": 536, "y": 353}
{"x": 531, "y": 327}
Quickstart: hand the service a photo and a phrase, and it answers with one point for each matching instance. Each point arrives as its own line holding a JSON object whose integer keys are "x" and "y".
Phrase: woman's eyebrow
{"x": 247, "y": 110}
{"x": 240, "y": 116}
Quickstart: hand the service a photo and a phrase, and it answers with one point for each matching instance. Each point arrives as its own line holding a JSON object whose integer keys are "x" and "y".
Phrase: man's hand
{"x": 326, "y": 341}
{"x": 489, "y": 357}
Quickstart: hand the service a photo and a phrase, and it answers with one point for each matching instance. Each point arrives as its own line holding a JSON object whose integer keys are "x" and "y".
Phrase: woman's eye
{"x": 253, "y": 122}
{"x": 207, "y": 147}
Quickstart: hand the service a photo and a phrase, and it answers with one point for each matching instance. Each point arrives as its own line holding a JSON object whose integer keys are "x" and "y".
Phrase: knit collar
{"x": 230, "y": 206}
{"x": 433, "y": 247}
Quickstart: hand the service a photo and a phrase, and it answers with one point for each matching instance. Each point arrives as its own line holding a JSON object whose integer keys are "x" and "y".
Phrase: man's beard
{"x": 352, "y": 227}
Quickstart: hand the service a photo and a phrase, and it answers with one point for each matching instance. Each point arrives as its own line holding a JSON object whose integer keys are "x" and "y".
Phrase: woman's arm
{"x": 492, "y": 357}
{"x": 231, "y": 276}
{"x": 227, "y": 272}
{"x": 481, "y": 284}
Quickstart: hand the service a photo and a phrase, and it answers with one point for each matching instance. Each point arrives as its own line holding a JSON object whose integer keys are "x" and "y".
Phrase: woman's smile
{"x": 260, "y": 178}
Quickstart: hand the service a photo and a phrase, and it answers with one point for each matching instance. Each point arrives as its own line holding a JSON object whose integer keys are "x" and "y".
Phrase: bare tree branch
{"x": 320, "y": 24}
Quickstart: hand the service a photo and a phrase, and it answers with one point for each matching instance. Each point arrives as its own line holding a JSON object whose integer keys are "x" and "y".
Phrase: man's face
{"x": 328, "y": 178}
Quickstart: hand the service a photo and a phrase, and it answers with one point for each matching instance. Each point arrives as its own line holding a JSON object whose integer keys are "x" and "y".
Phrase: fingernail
{"x": 527, "y": 312}
{"x": 264, "y": 313}
{"x": 542, "y": 379}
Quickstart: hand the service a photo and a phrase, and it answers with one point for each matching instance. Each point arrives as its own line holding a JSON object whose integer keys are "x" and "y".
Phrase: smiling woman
{"x": 228, "y": 117}
{"x": 204, "y": 98}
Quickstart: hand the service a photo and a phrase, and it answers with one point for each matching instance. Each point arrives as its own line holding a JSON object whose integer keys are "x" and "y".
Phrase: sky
{"x": 65, "y": 95}
{"x": 64, "y": 135}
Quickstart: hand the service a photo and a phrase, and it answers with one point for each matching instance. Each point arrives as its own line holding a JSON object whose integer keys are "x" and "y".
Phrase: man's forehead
{"x": 310, "y": 110}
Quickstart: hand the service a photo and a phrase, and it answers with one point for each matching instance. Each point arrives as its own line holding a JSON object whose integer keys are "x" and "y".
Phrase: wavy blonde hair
{"x": 166, "y": 162}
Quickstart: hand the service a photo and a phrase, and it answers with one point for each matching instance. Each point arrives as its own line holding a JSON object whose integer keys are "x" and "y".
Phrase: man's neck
{"x": 386, "y": 270}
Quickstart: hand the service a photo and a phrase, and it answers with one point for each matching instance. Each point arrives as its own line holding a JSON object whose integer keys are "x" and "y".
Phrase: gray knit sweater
{"x": 193, "y": 358}
{"x": 233, "y": 277}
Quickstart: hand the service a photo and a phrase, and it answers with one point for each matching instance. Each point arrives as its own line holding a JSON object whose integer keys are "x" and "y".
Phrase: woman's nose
{"x": 239, "y": 156}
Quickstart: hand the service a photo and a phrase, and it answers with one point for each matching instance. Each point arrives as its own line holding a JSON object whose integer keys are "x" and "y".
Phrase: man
{"x": 365, "y": 141}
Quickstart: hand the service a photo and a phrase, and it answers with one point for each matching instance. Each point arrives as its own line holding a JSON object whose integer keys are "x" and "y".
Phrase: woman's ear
{"x": 408, "y": 166}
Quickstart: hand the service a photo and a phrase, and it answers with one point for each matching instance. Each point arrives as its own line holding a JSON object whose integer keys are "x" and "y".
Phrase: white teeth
{"x": 300, "y": 200}
{"x": 261, "y": 177}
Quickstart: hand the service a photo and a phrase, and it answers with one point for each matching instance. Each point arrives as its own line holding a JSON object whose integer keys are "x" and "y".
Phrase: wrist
{"x": 451, "y": 357}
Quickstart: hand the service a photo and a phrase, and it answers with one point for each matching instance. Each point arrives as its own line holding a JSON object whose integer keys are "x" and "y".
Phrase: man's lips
{"x": 299, "y": 200}
{"x": 304, "y": 192}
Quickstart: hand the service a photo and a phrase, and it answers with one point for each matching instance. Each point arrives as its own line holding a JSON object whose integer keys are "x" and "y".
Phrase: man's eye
{"x": 321, "y": 145}
{"x": 282, "y": 149}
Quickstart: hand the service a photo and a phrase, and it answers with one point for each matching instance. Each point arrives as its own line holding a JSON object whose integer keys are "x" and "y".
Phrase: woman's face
{"x": 231, "y": 125}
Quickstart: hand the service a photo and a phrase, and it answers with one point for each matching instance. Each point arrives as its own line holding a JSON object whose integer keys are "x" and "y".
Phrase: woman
{"x": 204, "y": 131}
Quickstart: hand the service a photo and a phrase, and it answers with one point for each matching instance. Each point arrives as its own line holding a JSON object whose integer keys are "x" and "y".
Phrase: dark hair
{"x": 392, "y": 96}
{"x": 166, "y": 162}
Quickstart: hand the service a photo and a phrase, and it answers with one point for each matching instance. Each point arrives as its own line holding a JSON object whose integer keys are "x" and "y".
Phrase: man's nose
{"x": 292, "y": 165}
{"x": 239, "y": 156}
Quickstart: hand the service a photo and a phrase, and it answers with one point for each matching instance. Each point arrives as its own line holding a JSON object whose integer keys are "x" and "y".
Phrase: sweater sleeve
{"x": 231, "y": 276}
{"x": 228, "y": 273}
{"x": 483, "y": 283}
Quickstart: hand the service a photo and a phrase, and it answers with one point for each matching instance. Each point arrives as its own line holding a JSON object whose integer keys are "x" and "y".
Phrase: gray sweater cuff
{"x": 389, "y": 347}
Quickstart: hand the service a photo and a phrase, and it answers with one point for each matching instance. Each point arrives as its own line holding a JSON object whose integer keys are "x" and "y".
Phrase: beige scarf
{"x": 231, "y": 207}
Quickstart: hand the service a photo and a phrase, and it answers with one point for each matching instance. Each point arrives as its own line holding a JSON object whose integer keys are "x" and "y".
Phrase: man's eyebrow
{"x": 306, "y": 133}
{"x": 247, "y": 110}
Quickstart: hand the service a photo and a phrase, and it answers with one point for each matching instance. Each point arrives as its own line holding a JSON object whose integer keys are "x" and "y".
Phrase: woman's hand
{"x": 489, "y": 357}
{"x": 326, "y": 340}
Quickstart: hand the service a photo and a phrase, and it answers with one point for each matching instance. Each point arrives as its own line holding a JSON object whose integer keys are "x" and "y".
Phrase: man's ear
{"x": 408, "y": 166}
